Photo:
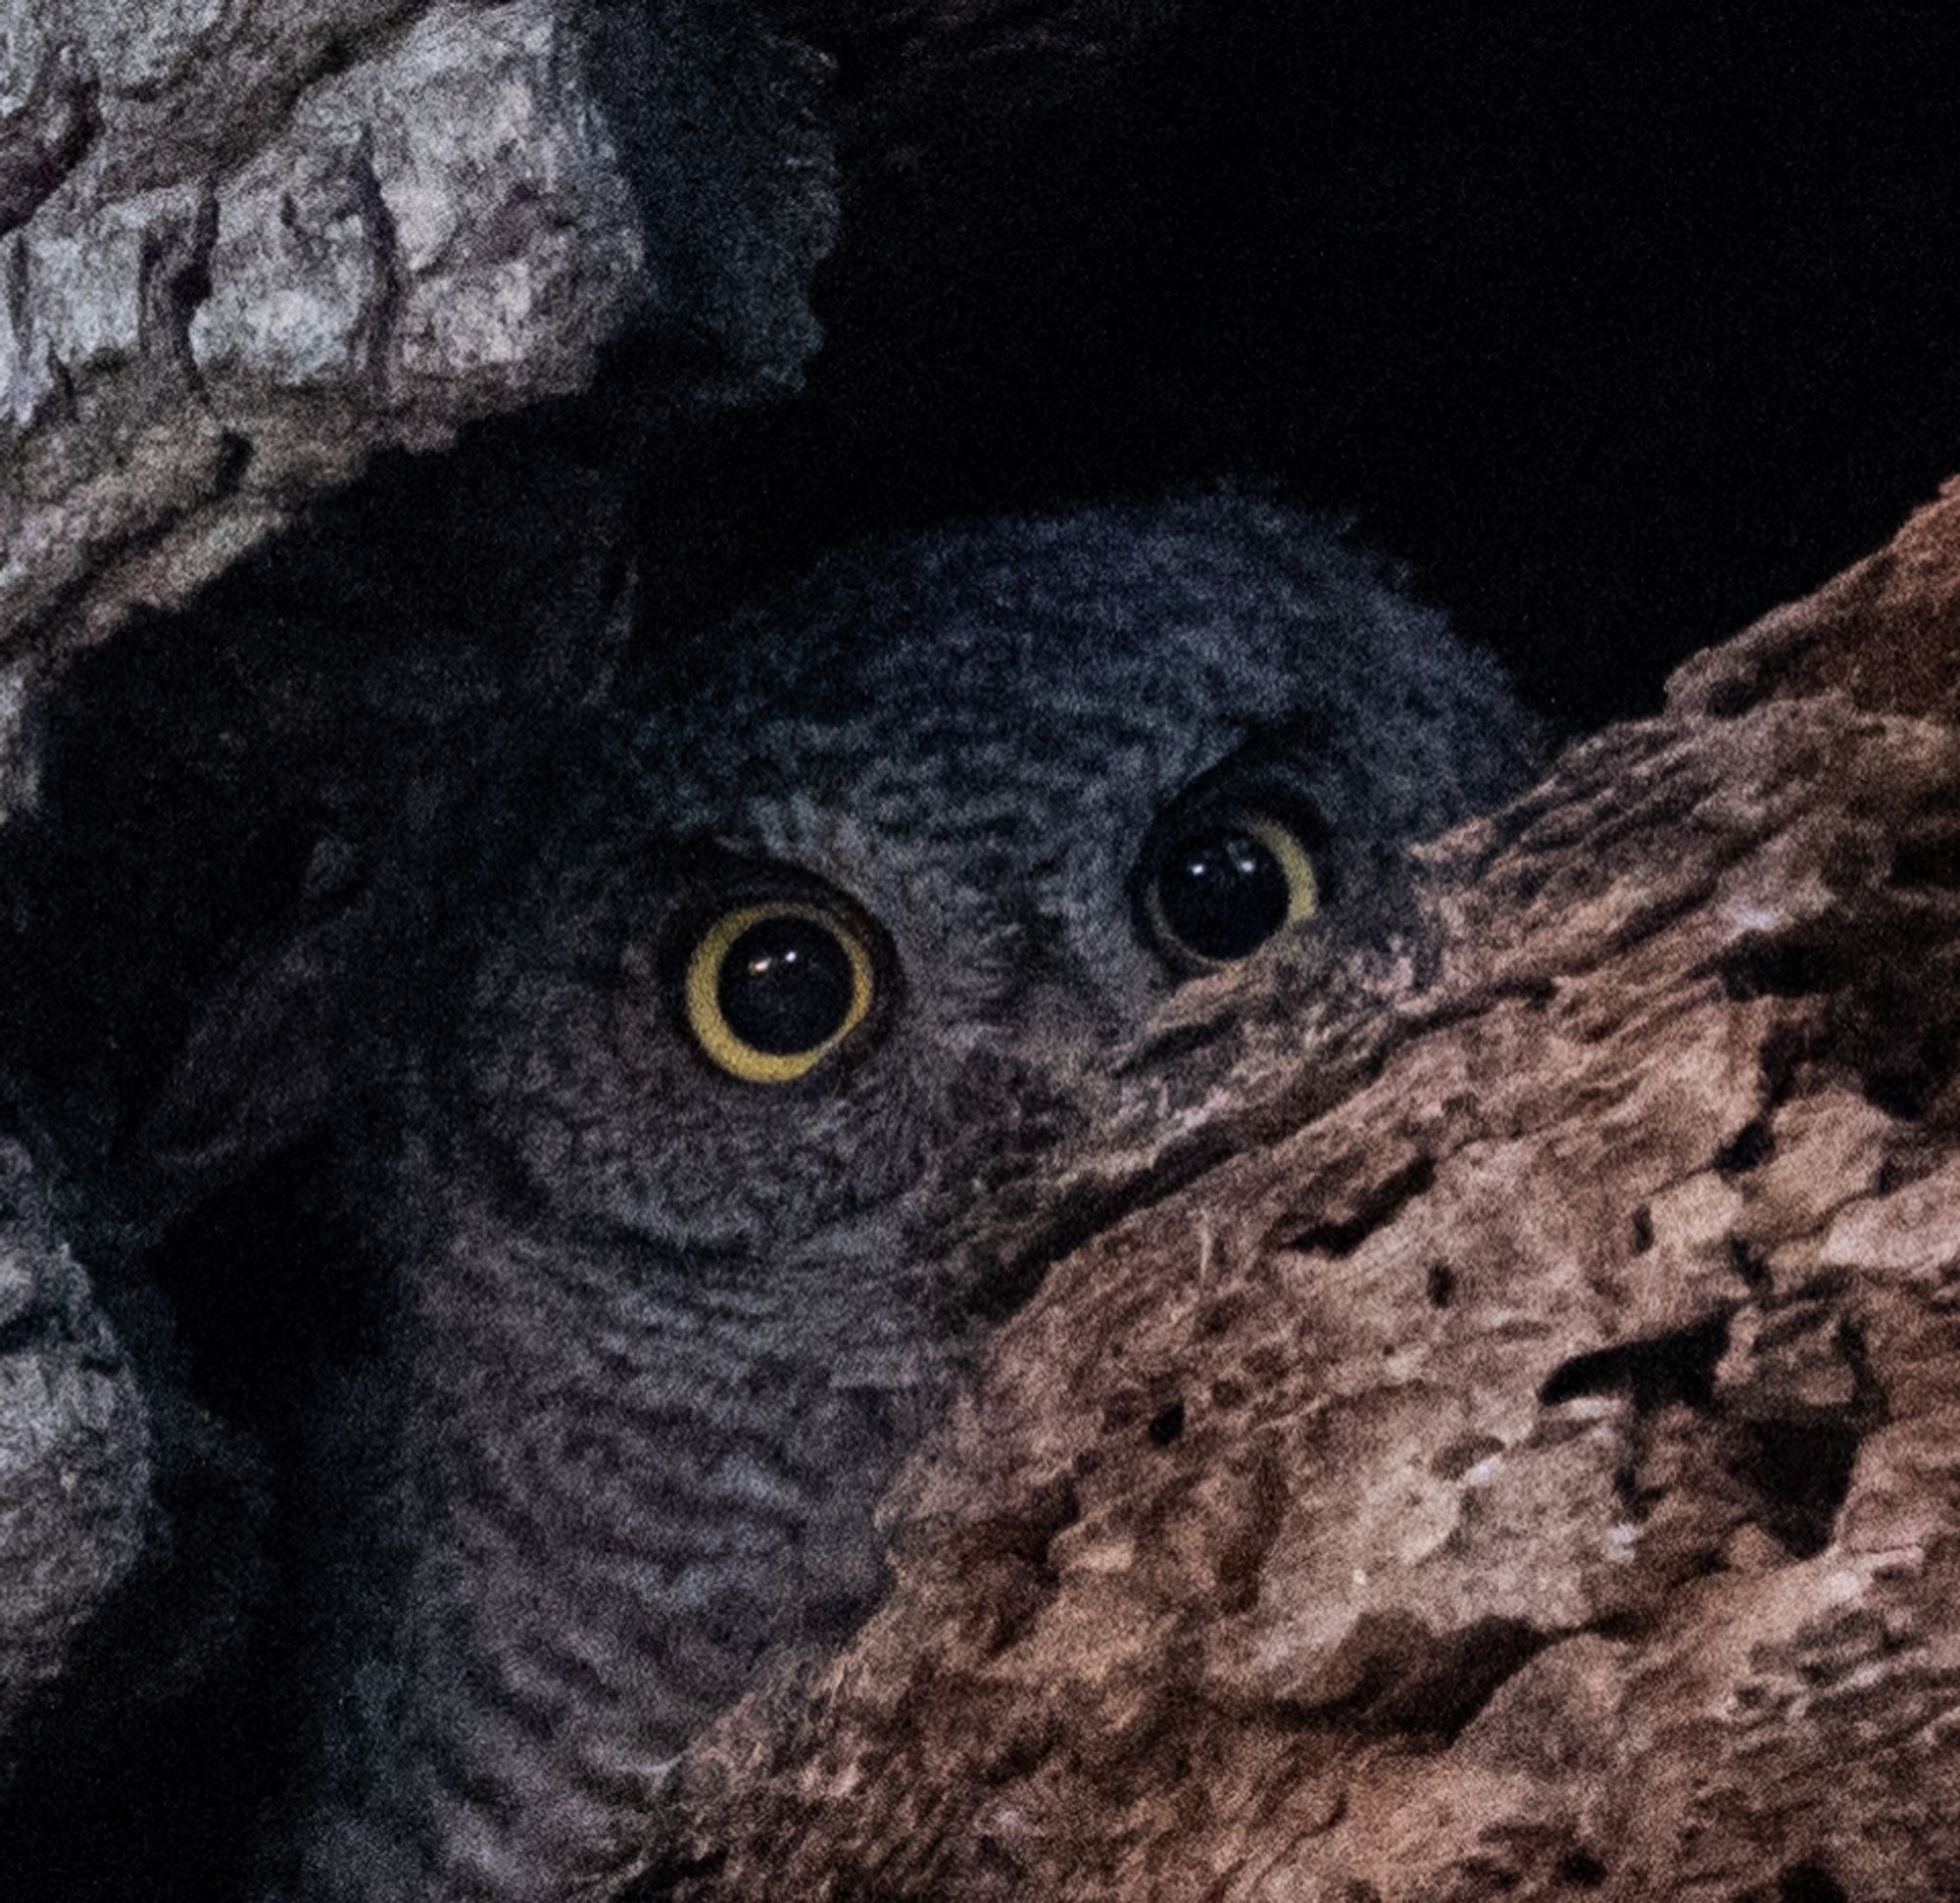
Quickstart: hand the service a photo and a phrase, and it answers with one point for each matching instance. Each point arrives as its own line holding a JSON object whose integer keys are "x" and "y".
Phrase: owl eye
{"x": 1221, "y": 884}
{"x": 773, "y": 989}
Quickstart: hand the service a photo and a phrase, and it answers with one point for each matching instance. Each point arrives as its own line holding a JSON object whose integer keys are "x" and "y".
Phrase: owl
{"x": 725, "y": 1010}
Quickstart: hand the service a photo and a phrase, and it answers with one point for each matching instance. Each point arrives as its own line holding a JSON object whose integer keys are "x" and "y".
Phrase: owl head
{"x": 873, "y": 886}
{"x": 873, "y": 890}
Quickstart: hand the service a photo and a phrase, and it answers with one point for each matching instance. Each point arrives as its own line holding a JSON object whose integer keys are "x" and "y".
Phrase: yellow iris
{"x": 788, "y": 999}
{"x": 1303, "y": 888}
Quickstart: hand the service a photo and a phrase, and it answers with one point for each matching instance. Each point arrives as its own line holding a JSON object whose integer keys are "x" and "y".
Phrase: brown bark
{"x": 1523, "y": 1465}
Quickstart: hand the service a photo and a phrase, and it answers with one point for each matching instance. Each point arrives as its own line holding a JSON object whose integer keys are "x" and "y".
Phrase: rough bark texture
{"x": 246, "y": 247}
{"x": 243, "y": 249}
{"x": 1496, "y": 1442}
{"x": 75, "y": 1447}
{"x": 131, "y": 1522}
{"x": 1524, "y": 1464}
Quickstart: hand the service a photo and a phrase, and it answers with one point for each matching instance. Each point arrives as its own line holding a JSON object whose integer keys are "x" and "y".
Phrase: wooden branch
{"x": 1524, "y": 1464}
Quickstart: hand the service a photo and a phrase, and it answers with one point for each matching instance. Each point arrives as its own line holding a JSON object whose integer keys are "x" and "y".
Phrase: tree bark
{"x": 245, "y": 248}
{"x": 1491, "y": 1433}
{"x": 77, "y": 1455}
{"x": 1505, "y": 1442}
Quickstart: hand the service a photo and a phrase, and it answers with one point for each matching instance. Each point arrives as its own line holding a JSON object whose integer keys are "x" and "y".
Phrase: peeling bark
{"x": 1523, "y": 1465}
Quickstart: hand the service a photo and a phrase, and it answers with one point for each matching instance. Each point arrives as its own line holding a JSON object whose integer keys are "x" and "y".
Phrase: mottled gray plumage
{"x": 655, "y": 1334}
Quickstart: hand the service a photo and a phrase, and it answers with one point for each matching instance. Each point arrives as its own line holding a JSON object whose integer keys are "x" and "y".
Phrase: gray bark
{"x": 76, "y": 1455}
{"x": 245, "y": 249}
{"x": 248, "y": 247}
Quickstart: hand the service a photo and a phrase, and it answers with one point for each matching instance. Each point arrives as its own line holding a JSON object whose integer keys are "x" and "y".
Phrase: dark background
{"x": 1620, "y": 326}
{"x": 1619, "y": 329}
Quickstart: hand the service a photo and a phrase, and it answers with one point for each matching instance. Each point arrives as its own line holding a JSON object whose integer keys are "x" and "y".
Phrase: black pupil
{"x": 1222, "y": 890}
{"x": 785, "y": 986}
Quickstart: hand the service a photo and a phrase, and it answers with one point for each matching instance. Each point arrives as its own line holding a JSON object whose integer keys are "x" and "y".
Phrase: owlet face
{"x": 971, "y": 808}
{"x": 836, "y": 947}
